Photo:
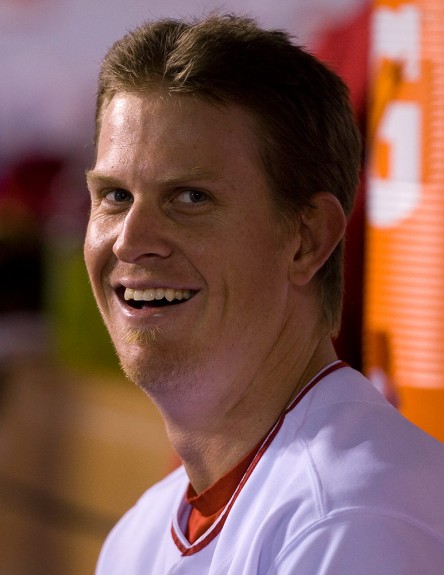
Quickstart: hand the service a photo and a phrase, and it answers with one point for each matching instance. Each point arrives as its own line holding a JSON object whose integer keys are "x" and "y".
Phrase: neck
{"x": 213, "y": 442}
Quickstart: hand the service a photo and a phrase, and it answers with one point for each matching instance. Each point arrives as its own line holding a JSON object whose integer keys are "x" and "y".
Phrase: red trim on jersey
{"x": 208, "y": 505}
{"x": 221, "y": 516}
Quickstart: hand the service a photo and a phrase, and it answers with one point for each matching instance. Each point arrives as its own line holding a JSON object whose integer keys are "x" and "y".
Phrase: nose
{"x": 142, "y": 234}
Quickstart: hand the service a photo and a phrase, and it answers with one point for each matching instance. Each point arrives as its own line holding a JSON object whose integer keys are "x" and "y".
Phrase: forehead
{"x": 181, "y": 128}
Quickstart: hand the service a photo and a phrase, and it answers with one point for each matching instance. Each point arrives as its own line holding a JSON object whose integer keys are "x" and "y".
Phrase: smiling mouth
{"x": 155, "y": 297}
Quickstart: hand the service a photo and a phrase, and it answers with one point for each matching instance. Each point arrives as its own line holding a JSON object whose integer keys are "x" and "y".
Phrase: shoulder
{"x": 343, "y": 446}
{"x": 362, "y": 451}
{"x": 344, "y": 415}
{"x": 346, "y": 480}
{"x": 362, "y": 542}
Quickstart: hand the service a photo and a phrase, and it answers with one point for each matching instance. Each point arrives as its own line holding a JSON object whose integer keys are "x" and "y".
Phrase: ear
{"x": 321, "y": 227}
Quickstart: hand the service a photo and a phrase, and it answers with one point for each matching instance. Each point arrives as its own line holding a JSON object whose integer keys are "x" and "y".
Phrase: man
{"x": 227, "y": 161}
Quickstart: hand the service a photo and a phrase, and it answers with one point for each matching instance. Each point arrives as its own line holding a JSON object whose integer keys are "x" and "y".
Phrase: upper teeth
{"x": 156, "y": 293}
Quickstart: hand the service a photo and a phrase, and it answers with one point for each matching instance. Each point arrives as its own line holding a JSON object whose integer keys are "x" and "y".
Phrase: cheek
{"x": 96, "y": 249}
{"x": 256, "y": 269}
{"x": 97, "y": 234}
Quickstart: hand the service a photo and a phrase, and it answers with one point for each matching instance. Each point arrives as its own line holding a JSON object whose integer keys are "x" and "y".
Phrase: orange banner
{"x": 404, "y": 313}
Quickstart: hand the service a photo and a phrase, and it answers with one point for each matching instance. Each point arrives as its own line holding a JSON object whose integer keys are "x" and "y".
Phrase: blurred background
{"x": 78, "y": 444}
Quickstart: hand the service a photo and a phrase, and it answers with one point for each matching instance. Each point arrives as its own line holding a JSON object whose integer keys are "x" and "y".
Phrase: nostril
{"x": 140, "y": 236}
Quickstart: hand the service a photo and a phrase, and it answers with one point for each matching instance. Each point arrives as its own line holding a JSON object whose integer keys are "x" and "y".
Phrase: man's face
{"x": 187, "y": 261}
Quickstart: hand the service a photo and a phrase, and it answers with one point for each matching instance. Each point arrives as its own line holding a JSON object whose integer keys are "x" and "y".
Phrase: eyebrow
{"x": 98, "y": 177}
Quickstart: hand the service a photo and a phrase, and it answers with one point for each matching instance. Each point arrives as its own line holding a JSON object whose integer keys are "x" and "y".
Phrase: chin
{"x": 158, "y": 373}
{"x": 161, "y": 368}
{"x": 137, "y": 375}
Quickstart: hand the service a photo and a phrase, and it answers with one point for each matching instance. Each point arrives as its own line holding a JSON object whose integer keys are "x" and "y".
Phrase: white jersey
{"x": 344, "y": 485}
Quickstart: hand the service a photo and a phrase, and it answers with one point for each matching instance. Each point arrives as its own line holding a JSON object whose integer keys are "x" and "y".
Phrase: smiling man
{"x": 227, "y": 161}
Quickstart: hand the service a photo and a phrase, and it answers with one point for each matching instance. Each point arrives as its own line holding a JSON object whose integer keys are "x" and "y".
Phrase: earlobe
{"x": 322, "y": 226}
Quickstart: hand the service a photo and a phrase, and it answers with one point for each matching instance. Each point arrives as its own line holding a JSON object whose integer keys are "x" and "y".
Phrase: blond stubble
{"x": 161, "y": 370}
{"x": 141, "y": 336}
